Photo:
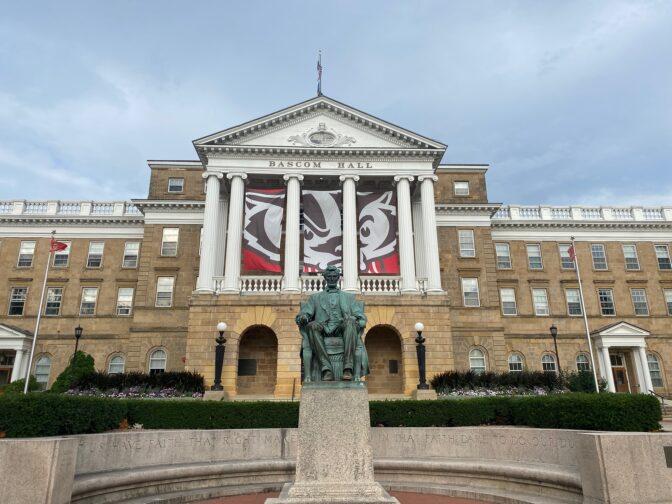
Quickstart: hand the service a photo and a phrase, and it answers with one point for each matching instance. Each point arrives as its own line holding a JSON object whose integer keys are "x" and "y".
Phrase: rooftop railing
{"x": 581, "y": 213}
{"x": 68, "y": 208}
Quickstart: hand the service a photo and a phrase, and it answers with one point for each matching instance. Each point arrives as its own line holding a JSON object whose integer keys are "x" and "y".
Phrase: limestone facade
{"x": 469, "y": 230}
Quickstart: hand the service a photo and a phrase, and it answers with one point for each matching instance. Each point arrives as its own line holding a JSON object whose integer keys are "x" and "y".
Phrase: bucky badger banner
{"x": 262, "y": 230}
{"x": 377, "y": 224}
{"x": 322, "y": 233}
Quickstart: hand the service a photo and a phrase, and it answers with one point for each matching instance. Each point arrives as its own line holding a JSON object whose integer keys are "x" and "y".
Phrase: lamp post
{"x": 78, "y": 334}
{"x": 554, "y": 335}
{"x": 219, "y": 356}
{"x": 420, "y": 350}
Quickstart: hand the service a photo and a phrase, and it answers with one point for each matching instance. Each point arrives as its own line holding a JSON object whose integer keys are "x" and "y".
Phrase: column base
{"x": 435, "y": 292}
{"x": 409, "y": 291}
{"x": 291, "y": 290}
{"x": 204, "y": 290}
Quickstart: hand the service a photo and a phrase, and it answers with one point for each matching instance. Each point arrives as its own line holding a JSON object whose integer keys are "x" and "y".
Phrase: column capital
{"x": 433, "y": 178}
{"x": 208, "y": 174}
{"x": 230, "y": 176}
{"x": 288, "y": 176}
{"x": 398, "y": 178}
{"x": 343, "y": 178}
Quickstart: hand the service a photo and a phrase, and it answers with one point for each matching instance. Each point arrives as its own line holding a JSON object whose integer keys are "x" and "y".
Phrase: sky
{"x": 570, "y": 102}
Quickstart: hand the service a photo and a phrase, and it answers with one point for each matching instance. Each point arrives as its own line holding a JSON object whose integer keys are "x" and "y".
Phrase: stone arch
{"x": 383, "y": 345}
{"x": 257, "y": 361}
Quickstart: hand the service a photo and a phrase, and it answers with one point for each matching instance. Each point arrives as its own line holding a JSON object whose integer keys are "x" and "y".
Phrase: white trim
{"x": 72, "y": 232}
{"x": 443, "y": 220}
{"x": 174, "y": 217}
{"x": 462, "y": 168}
{"x": 580, "y": 235}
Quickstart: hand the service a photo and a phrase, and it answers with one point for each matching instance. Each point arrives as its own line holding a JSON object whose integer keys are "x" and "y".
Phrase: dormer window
{"x": 175, "y": 185}
{"x": 461, "y": 188}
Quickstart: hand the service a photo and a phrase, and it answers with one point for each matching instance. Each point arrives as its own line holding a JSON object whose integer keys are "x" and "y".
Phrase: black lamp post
{"x": 219, "y": 356}
{"x": 554, "y": 335}
{"x": 78, "y": 334}
{"x": 420, "y": 350}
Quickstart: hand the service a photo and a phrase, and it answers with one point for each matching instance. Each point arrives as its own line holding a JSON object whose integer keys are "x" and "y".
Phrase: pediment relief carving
{"x": 322, "y": 137}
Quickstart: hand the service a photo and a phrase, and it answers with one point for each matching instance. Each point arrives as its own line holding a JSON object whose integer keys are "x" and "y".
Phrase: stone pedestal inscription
{"x": 334, "y": 458}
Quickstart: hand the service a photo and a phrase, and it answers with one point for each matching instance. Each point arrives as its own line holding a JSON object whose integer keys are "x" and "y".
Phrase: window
{"x": 654, "y": 370}
{"x": 461, "y": 188}
{"x": 131, "y": 253}
{"x": 157, "y": 361}
{"x": 477, "y": 361}
{"x": 508, "y": 298}
{"x": 17, "y": 300}
{"x": 668, "y": 300}
{"x": 54, "y": 300}
{"x": 175, "y": 185}
{"x": 639, "y": 302}
{"x": 630, "y": 255}
{"x": 540, "y": 300}
{"x": 467, "y": 245}
{"x": 26, "y": 254}
{"x": 573, "y": 297}
{"x": 116, "y": 365}
{"x": 503, "y": 253}
{"x": 164, "y": 292}
{"x": 42, "y": 370}
{"x": 89, "y": 299}
{"x": 124, "y": 301}
{"x": 515, "y": 363}
{"x": 470, "y": 295}
{"x": 247, "y": 367}
{"x": 548, "y": 363}
{"x": 663, "y": 256}
{"x": 169, "y": 242}
{"x": 62, "y": 257}
{"x": 582, "y": 362}
{"x": 393, "y": 366}
{"x": 565, "y": 259}
{"x": 606, "y": 297}
{"x": 599, "y": 256}
{"x": 534, "y": 256}
{"x": 95, "y": 257}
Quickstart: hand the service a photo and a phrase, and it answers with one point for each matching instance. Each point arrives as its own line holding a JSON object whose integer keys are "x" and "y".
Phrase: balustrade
{"x": 622, "y": 213}
{"x": 131, "y": 209}
{"x": 260, "y": 284}
{"x": 379, "y": 284}
{"x": 102, "y": 209}
{"x": 6, "y": 207}
{"x": 502, "y": 213}
{"x": 69, "y": 208}
{"x": 530, "y": 213}
{"x": 591, "y": 213}
{"x": 561, "y": 213}
{"x": 36, "y": 207}
{"x": 653, "y": 214}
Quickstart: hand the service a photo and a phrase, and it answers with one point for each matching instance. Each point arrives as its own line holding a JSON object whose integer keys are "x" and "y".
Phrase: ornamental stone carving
{"x": 321, "y": 137}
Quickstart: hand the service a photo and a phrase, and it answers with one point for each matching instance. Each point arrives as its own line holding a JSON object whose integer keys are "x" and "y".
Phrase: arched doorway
{"x": 257, "y": 361}
{"x": 383, "y": 346}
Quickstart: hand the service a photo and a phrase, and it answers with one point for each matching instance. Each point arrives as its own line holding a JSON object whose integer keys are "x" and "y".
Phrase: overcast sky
{"x": 568, "y": 101}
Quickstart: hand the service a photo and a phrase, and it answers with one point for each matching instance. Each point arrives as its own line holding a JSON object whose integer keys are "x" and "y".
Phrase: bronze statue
{"x": 331, "y": 324}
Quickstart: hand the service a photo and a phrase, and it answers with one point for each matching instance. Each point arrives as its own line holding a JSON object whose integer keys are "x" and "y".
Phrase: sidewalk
{"x": 404, "y": 498}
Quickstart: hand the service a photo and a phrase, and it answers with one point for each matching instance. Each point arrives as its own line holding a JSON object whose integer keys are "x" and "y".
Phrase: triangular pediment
{"x": 318, "y": 123}
{"x": 622, "y": 329}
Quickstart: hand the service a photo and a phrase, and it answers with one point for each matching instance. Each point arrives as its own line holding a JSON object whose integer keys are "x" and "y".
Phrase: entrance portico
{"x": 319, "y": 143}
{"x": 15, "y": 347}
{"x": 621, "y": 347}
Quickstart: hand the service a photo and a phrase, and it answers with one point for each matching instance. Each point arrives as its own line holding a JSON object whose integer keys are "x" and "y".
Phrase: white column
{"x": 405, "y": 234}
{"x": 645, "y": 370}
{"x": 206, "y": 270}
{"x": 292, "y": 236}
{"x": 221, "y": 234}
{"x": 235, "y": 233}
{"x": 418, "y": 239}
{"x": 350, "y": 262}
{"x": 429, "y": 228}
{"x": 18, "y": 364}
{"x": 607, "y": 373}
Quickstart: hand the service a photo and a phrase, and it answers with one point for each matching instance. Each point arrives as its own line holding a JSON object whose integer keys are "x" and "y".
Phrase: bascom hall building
{"x": 240, "y": 235}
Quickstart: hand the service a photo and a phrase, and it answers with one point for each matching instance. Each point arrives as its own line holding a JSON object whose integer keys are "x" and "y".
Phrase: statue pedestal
{"x": 334, "y": 462}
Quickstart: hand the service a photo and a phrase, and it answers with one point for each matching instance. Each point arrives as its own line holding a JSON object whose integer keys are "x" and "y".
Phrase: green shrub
{"x": 451, "y": 380}
{"x": 80, "y": 365}
{"x": 582, "y": 381}
{"x": 16, "y": 387}
{"x": 184, "y": 381}
{"x": 40, "y": 414}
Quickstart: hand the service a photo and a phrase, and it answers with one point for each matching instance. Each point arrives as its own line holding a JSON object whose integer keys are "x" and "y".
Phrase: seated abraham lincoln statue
{"x": 331, "y": 324}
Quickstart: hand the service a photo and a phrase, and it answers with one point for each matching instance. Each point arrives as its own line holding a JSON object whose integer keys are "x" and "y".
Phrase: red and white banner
{"x": 322, "y": 232}
{"x": 377, "y": 224}
{"x": 262, "y": 231}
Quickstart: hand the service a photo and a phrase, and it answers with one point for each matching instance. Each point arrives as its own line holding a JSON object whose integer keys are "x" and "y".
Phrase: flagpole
{"x": 39, "y": 317}
{"x": 585, "y": 318}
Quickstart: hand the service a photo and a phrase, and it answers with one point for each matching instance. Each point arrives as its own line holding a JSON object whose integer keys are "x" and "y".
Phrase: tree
{"x": 81, "y": 365}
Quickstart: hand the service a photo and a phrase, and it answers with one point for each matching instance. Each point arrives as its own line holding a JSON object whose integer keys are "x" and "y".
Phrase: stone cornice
{"x": 569, "y": 224}
{"x": 71, "y": 219}
{"x": 467, "y": 208}
{"x": 168, "y": 204}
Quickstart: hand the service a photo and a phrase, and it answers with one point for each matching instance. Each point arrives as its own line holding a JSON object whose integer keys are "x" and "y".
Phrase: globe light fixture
{"x": 420, "y": 352}
{"x": 219, "y": 356}
{"x": 419, "y": 327}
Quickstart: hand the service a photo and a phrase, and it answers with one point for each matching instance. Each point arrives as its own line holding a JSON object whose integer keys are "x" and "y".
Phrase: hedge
{"x": 184, "y": 381}
{"x": 450, "y": 380}
{"x": 43, "y": 414}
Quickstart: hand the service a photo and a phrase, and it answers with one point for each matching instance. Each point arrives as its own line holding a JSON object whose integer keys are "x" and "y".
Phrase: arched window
{"x": 42, "y": 370}
{"x": 116, "y": 365}
{"x": 157, "y": 361}
{"x": 582, "y": 362}
{"x": 515, "y": 362}
{"x": 548, "y": 363}
{"x": 654, "y": 370}
{"x": 477, "y": 361}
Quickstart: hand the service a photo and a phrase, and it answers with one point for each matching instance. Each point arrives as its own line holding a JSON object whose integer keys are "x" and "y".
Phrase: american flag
{"x": 319, "y": 74}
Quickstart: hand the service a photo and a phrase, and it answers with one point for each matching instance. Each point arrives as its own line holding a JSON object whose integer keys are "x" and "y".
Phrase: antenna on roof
{"x": 319, "y": 73}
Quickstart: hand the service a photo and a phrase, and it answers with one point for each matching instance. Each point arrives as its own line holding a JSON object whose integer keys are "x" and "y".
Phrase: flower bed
{"x": 498, "y": 392}
{"x": 135, "y": 393}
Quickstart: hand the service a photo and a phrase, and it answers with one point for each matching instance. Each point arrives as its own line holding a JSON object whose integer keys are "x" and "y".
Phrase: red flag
{"x": 57, "y": 246}
{"x": 572, "y": 253}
